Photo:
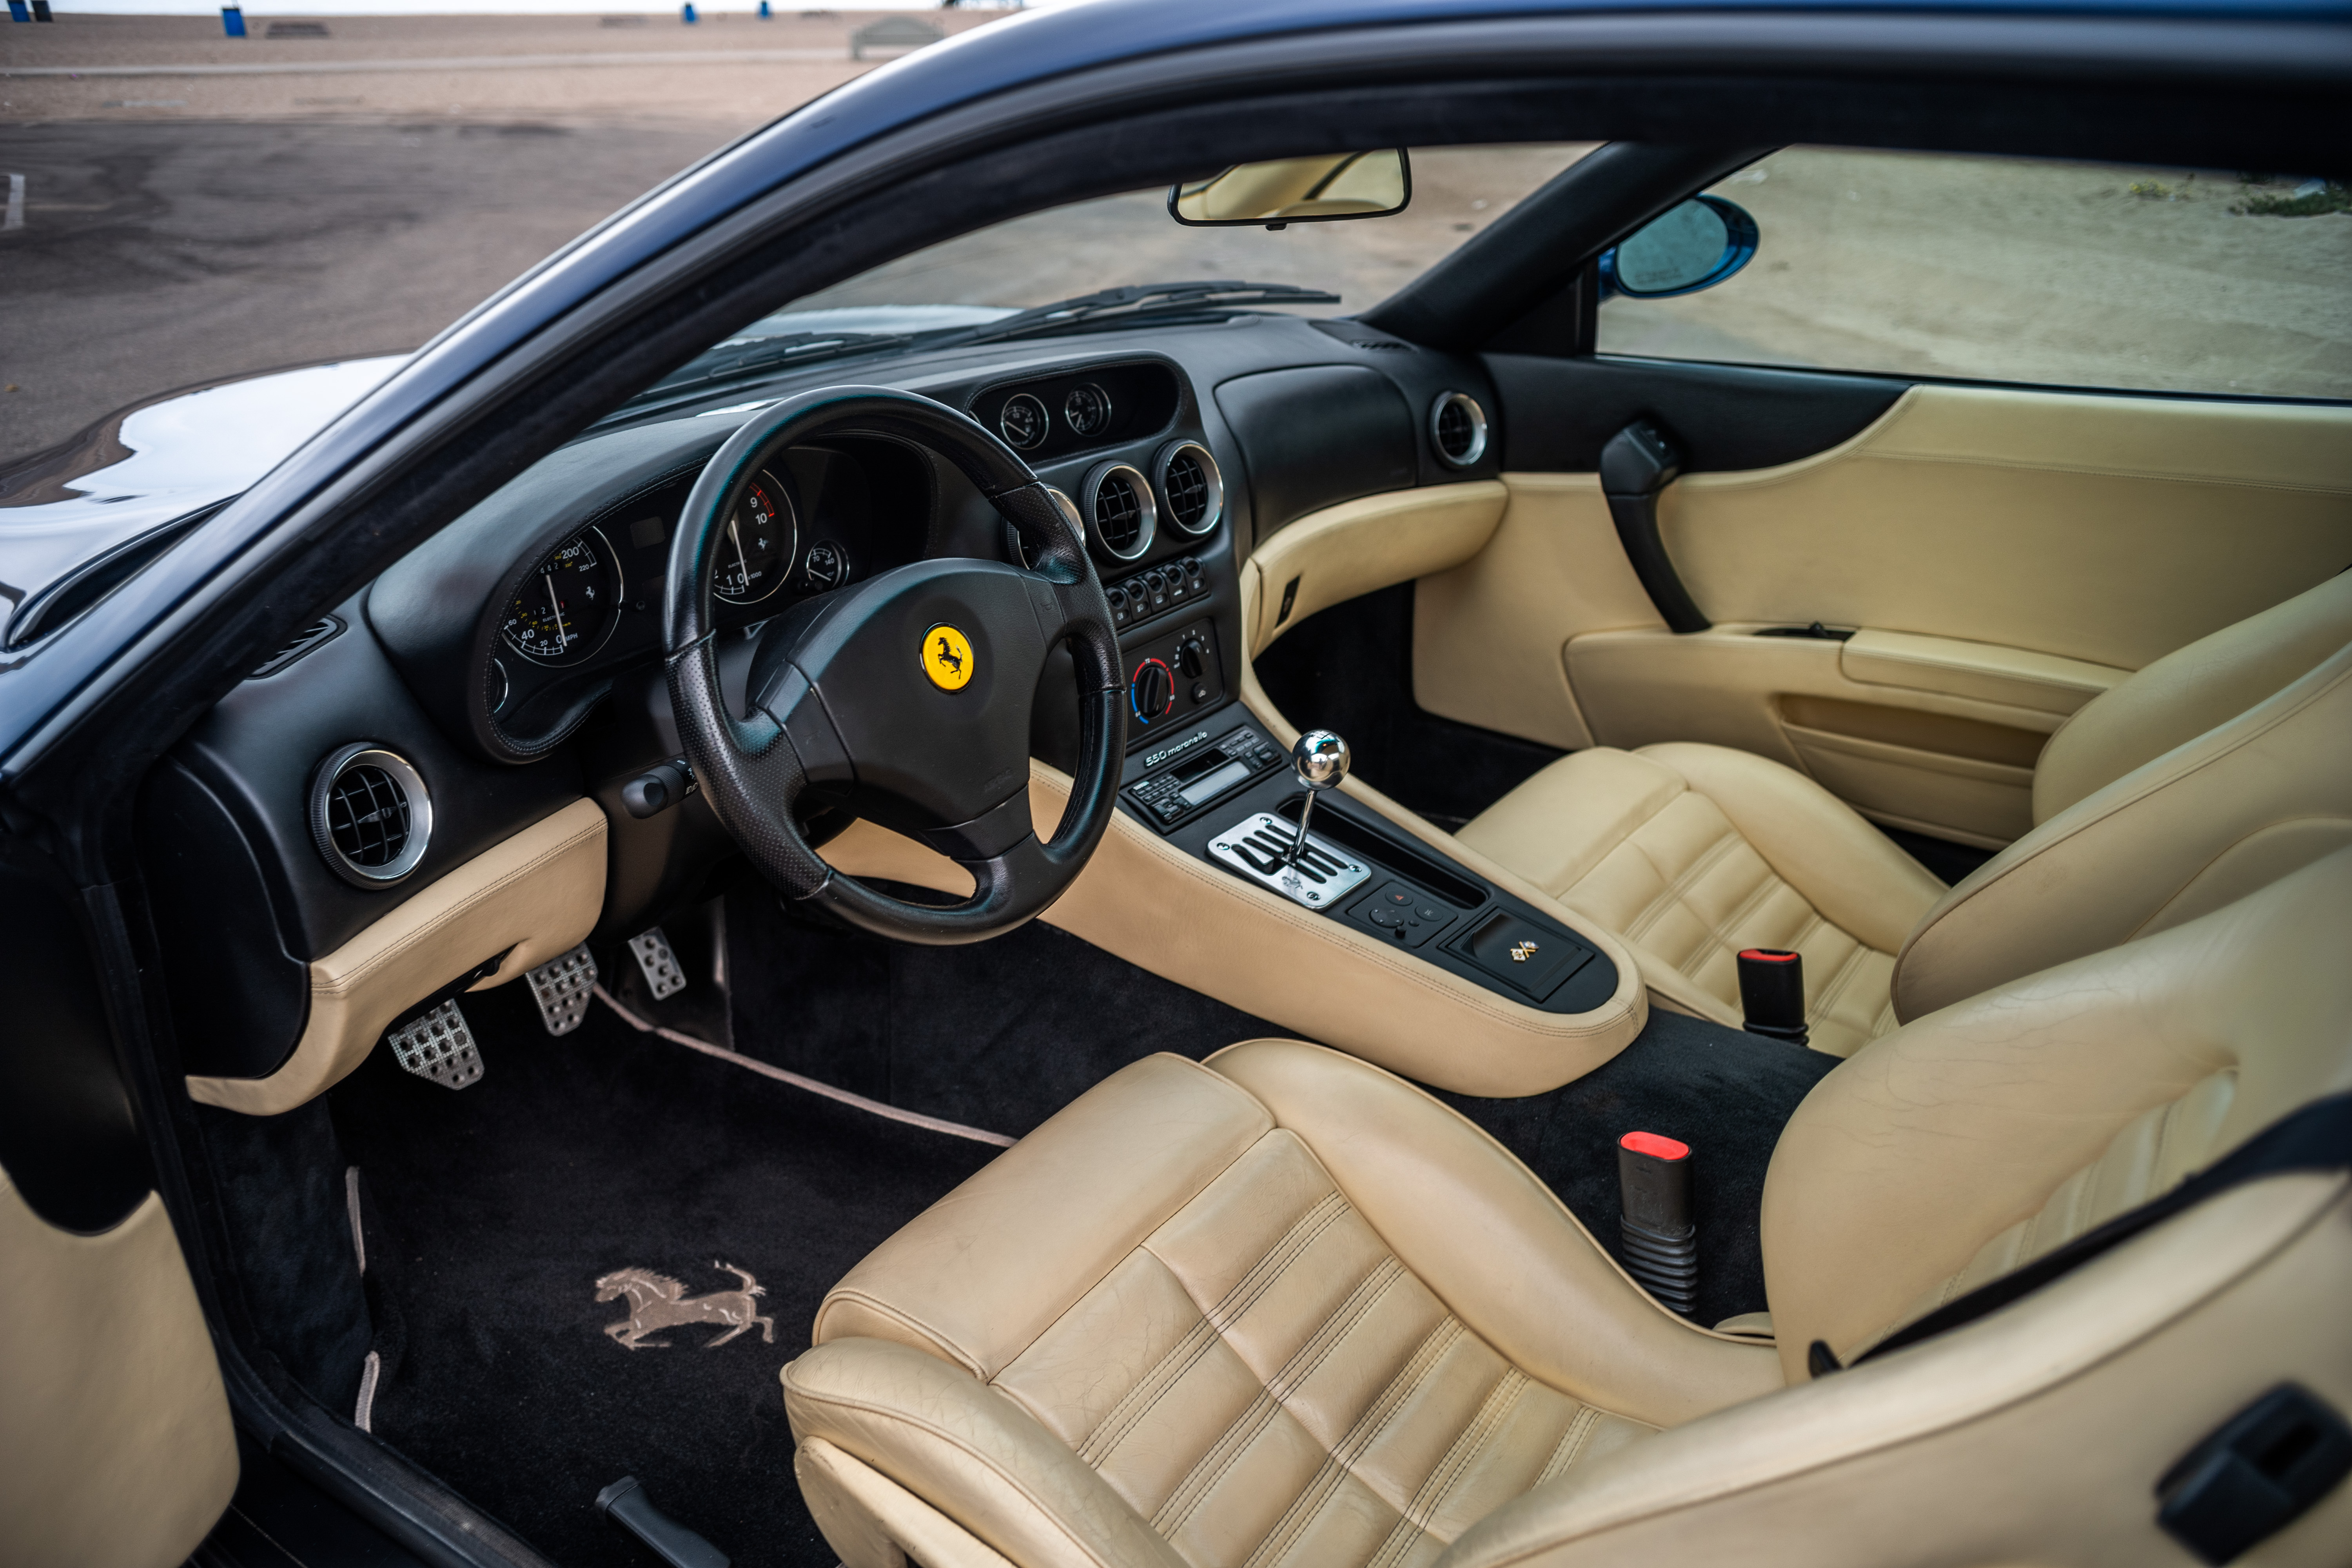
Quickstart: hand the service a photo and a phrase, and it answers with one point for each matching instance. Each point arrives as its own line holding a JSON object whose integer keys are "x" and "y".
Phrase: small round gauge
{"x": 761, "y": 543}
{"x": 562, "y": 612}
{"x": 1024, "y": 421}
{"x": 1086, "y": 411}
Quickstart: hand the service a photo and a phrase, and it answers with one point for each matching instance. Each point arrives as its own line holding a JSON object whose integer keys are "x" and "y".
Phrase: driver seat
{"x": 1282, "y": 1307}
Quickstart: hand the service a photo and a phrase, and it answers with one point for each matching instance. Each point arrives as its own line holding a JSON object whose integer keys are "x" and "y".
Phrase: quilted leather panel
{"x": 1266, "y": 1384}
{"x": 1685, "y": 885}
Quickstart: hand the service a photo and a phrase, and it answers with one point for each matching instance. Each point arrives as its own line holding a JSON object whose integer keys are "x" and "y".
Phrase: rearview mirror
{"x": 1684, "y": 249}
{"x": 1296, "y": 190}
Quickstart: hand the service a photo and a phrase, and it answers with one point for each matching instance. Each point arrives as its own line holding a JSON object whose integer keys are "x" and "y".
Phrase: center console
{"x": 1217, "y": 788}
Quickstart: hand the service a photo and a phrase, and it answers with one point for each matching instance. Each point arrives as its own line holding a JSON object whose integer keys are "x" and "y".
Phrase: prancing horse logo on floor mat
{"x": 657, "y": 1302}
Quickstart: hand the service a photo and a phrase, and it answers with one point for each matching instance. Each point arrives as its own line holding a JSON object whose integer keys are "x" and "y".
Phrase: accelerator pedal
{"x": 437, "y": 1044}
{"x": 561, "y": 986}
{"x": 663, "y": 976}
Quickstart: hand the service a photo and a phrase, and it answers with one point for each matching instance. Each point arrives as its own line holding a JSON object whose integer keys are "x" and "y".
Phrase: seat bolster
{"x": 874, "y": 1522}
{"x": 968, "y": 1451}
{"x": 2159, "y": 845}
{"x": 1492, "y": 1242}
{"x": 980, "y": 1274}
{"x": 2189, "y": 691}
{"x": 1557, "y": 826}
{"x": 1848, "y": 871}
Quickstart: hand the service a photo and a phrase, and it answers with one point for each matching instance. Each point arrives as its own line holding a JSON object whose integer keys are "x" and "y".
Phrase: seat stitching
{"x": 1838, "y": 983}
{"x": 1450, "y": 1471}
{"x": 1339, "y": 1463}
{"x": 1572, "y": 1443}
{"x": 1678, "y": 886}
{"x": 1273, "y": 1396}
{"x": 1717, "y": 936}
{"x": 1186, "y": 1353}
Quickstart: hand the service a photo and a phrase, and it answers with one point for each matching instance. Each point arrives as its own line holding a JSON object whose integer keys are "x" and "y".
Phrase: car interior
{"x": 1179, "y": 928}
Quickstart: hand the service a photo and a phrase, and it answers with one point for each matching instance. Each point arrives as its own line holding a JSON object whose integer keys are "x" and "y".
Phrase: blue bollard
{"x": 19, "y": 11}
{"x": 687, "y": 15}
{"x": 232, "y": 21}
{"x": 765, "y": 12}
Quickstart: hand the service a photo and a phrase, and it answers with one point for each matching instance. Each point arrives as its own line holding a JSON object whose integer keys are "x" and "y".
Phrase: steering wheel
{"x": 905, "y": 697}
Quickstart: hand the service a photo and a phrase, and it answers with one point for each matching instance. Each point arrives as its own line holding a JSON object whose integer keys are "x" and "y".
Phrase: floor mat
{"x": 501, "y": 1206}
{"x": 1726, "y": 1093}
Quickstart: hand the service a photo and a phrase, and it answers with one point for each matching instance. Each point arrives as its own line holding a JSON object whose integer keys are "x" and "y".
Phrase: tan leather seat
{"x": 2217, "y": 768}
{"x": 1284, "y": 1307}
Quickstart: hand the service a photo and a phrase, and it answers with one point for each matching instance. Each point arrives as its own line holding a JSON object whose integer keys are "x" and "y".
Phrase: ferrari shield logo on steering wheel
{"x": 947, "y": 657}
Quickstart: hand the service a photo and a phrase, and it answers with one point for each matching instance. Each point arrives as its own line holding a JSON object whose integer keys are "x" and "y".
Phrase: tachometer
{"x": 761, "y": 543}
{"x": 564, "y": 609}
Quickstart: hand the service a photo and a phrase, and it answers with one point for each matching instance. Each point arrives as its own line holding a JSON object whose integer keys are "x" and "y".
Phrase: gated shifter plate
{"x": 1258, "y": 846}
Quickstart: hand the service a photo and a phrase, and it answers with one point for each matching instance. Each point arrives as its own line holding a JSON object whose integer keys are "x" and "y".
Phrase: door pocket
{"x": 1958, "y": 778}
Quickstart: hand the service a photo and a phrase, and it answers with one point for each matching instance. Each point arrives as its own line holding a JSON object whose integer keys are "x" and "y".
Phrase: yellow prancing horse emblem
{"x": 947, "y": 657}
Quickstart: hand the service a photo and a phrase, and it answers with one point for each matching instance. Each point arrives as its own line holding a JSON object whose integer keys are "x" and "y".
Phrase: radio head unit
{"x": 1194, "y": 771}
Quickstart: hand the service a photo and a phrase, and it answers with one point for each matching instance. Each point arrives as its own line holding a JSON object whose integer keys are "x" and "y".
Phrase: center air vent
{"x": 1122, "y": 515}
{"x": 1457, "y": 427}
{"x": 1190, "y": 483}
{"x": 369, "y": 816}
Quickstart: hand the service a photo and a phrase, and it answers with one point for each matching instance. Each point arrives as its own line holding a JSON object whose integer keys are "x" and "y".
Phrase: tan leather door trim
{"x": 115, "y": 1441}
{"x": 531, "y": 898}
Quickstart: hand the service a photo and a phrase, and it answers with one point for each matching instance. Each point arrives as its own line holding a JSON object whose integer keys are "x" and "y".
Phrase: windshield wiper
{"x": 753, "y": 356}
{"x": 1111, "y": 306}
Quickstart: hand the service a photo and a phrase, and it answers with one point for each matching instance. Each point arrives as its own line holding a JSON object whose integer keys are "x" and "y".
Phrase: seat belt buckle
{"x": 1660, "y": 1238}
{"x": 1773, "y": 994}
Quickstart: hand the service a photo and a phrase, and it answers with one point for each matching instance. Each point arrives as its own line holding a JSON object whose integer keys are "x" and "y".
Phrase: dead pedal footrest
{"x": 437, "y": 1044}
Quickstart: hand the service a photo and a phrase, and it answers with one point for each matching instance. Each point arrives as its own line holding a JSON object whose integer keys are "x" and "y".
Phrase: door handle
{"x": 1638, "y": 462}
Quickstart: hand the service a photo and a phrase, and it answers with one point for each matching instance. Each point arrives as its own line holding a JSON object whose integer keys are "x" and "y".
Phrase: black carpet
{"x": 1726, "y": 1093}
{"x": 498, "y": 1208}
{"x": 999, "y": 1035}
{"x": 1349, "y": 668}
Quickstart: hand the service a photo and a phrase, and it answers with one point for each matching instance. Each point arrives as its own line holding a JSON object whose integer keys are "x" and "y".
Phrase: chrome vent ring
{"x": 1122, "y": 515}
{"x": 1457, "y": 429}
{"x": 371, "y": 814}
{"x": 1191, "y": 487}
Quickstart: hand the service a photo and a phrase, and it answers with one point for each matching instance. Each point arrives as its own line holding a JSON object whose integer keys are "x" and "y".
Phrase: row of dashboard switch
{"x": 1147, "y": 593}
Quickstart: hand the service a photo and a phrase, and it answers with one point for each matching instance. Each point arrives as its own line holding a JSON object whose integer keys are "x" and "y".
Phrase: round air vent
{"x": 370, "y": 815}
{"x": 1121, "y": 514}
{"x": 1061, "y": 497}
{"x": 1191, "y": 485}
{"x": 1457, "y": 427}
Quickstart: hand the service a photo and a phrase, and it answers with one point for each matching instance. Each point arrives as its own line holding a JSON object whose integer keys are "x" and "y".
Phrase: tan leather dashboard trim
{"x": 533, "y": 897}
{"x": 1148, "y": 902}
{"x": 1361, "y": 546}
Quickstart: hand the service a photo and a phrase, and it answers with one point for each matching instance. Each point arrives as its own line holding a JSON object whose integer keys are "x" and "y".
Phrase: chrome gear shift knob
{"x": 1320, "y": 760}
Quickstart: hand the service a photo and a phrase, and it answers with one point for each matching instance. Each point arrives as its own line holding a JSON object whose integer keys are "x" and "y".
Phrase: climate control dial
{"x": 1151, "y": 690}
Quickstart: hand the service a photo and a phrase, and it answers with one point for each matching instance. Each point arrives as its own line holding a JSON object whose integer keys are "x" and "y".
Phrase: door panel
{"x": 2006, "y": 554}
{"x": 2109, "y": 530}
{"x": 115, "y": 1441}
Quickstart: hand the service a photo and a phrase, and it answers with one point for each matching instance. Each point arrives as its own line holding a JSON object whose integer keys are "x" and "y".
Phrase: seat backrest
{"x": 1969, "y": 1143}
{"x": 1952, "y": 1150}
{"x": 2212, "y": 772}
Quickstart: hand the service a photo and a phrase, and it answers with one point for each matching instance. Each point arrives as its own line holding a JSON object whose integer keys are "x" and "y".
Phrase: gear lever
{"x": 1320, "y": 760}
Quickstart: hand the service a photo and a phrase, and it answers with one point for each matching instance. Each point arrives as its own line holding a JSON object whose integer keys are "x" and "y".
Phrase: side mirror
{"x": 1296, "y": 190}
{"x": 1686, "y": 248}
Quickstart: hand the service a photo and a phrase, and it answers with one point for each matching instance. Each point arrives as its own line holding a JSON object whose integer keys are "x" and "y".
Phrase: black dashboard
{"x": 514, "y": 661}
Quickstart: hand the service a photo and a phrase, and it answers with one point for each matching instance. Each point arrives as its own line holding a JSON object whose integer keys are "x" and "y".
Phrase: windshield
{"x": 1121, "y": 241}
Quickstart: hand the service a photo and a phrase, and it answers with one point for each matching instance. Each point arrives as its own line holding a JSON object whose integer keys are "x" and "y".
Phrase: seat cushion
{"x": 1282, "y": 1307}
{"x": 1692, "y": 852}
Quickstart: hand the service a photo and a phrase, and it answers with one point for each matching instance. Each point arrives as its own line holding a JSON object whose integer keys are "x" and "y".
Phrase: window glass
{"x": 2015, "y": 270}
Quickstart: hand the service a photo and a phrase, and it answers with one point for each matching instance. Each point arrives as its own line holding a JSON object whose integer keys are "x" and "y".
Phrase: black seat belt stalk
{"x": 1637, "y": 463}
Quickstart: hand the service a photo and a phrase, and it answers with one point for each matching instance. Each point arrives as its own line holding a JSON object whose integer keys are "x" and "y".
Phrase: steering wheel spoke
{"x": 907, "y": 696}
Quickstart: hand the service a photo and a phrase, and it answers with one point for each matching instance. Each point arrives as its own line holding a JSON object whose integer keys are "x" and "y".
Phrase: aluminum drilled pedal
{"x": 1258, "y": 846}
{"x": 663, "y": 976}
{"x": 439, "y": 1045}
{"x": 561, "y": 986}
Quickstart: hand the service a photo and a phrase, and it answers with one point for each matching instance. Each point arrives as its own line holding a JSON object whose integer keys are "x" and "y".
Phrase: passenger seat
{"x": 2214, "y": 770}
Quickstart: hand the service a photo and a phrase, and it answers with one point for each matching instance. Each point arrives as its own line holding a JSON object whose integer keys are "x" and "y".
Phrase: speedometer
{"x": 563, "y": 611}
{"x": 761, "y": 544}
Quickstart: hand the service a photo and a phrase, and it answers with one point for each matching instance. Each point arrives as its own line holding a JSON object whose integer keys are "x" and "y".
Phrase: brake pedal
{"x": 437, "y": 1044}
{"x": 663, "y": 976}
{"x": 561, "y": 986}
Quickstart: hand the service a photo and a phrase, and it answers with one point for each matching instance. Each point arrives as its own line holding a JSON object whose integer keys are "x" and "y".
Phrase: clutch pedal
{"x": 561, "y": 986}
{"x": 437, "y": 1044}
{"x": 1258, "y": 846}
